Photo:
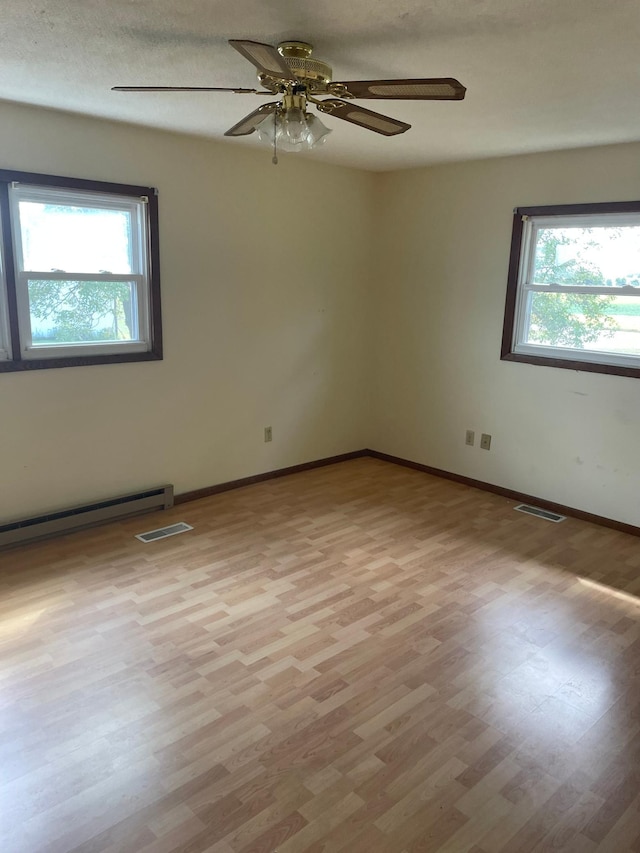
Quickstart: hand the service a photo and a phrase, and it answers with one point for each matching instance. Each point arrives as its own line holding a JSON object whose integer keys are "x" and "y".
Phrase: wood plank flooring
{"x": 359, "y": 658}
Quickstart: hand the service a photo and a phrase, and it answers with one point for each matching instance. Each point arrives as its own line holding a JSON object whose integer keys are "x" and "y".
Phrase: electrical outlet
{"x": 470, "y": 437}
{"x": 485, "y": 441}
{"x": 268, "y": 435}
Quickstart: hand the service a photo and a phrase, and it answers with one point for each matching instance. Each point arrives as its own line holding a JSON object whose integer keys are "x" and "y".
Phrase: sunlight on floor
{"x": 609, "y": 590}
{"x": 19, "y": 623}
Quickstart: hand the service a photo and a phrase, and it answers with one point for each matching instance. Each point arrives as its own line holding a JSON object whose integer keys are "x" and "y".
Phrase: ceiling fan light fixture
{"x": 293, "y": 130}
{"x": 317, "y": 131}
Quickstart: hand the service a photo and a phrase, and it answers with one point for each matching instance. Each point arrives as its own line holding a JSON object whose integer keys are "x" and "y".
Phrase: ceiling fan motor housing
{"x": 313, "y": 73}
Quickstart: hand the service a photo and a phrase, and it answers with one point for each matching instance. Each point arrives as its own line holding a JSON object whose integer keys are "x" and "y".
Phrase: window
{"x": 573, "y": 293}
{"x": 79, "y": 277}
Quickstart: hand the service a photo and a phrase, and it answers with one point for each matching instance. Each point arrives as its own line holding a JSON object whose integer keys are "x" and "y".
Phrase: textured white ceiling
{"x": 540, "y": 74}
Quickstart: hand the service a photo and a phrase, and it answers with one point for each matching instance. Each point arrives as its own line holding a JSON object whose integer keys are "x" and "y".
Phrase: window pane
{"x": 605, "y": 324}
{"x": 72, "y": 312}
{"x": 75, "y": 239}
{"x": 600, "y": 256}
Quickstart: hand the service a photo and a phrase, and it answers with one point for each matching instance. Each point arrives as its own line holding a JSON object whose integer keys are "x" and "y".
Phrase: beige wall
{"x": 374, "y": 319}
{"x": 567, "y": 436}
{"x": 264, "y": 272}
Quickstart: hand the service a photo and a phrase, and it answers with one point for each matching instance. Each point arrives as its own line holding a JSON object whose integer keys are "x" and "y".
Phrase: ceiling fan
{"x": 290, "y": 72}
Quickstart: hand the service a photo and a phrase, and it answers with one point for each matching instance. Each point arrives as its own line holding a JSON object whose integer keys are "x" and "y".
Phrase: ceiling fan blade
{"x": 186, "y": 89}
{"x": 428, "y": 89}
{"x": 365, "y": 118}
{"x": 249, "y": 123}
{"x": 265, "y": 58}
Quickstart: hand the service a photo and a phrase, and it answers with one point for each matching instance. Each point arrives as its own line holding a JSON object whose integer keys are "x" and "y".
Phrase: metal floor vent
{"x": 163, "y": 532}
{"x": 540, "y": 513}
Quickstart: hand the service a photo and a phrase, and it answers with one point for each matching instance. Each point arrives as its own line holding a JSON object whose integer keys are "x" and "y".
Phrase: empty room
{"x": 319, "y": 419}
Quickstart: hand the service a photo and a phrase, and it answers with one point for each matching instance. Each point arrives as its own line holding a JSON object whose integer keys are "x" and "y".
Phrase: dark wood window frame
{"x": 507, "y": 352}
{"x": 16, "y": 362}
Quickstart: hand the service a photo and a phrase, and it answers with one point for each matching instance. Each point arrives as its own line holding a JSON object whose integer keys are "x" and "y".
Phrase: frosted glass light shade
{"x": 294, "y": 130}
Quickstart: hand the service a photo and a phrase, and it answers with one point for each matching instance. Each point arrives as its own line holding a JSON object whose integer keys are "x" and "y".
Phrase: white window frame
{"x": 526, "y": 227}
{"x": 136, "y": 208}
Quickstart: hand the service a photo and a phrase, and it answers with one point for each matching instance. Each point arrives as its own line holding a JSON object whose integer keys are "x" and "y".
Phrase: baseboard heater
{"x": 63, "y": 521}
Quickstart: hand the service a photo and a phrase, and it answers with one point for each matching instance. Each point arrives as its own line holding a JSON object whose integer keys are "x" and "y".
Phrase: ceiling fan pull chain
{"x": 274, "y": 159}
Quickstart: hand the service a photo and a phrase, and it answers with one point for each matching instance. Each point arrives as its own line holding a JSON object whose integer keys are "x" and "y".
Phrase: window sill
{"x": 573, "y": 364}
{"x": 77, "y": 361}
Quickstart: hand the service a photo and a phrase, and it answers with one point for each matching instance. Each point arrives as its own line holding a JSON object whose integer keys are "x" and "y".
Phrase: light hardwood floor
{"x": 361, "y": 658}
